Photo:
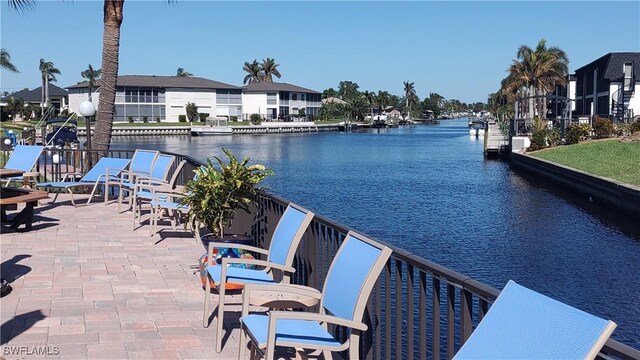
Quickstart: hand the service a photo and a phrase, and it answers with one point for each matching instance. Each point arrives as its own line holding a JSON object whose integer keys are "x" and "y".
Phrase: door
{"x": 628, "y": 77}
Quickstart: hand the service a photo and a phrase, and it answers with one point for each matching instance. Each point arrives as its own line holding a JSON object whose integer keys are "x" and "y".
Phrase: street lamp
{"x": 87, "y": 109}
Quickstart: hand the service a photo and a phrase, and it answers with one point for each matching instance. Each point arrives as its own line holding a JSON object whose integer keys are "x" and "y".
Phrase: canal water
{"x": 427, "y": 189}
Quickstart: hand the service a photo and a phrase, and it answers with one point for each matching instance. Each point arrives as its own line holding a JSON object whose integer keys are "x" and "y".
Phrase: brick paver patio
{"x": 87, "y": 286}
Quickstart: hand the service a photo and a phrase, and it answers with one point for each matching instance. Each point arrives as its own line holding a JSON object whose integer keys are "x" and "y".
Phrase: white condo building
{"x": 163, "y": 98}
{"x": 272, "y": 100}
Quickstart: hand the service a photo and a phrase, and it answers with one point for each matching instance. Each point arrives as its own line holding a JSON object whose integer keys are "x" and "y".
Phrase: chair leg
{"x": 220, "y": 324}
{"x": 242, "y": 343}
{"x": 207, "y": 299}
{"x": 120, "y": 196}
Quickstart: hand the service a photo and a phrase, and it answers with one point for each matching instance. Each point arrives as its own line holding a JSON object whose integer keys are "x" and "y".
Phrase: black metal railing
{"x": 417, "y": 310}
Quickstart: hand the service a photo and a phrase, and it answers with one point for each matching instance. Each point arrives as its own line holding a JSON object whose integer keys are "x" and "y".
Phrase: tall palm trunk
{"x": 42, "y": 99}
{"x": 110, "y": 58}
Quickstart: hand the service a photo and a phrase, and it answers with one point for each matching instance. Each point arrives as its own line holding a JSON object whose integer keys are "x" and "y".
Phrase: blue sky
{"x": 458, "y": 49}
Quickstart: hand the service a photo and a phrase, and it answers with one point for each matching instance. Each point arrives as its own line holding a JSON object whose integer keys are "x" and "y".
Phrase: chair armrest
{"x": 267, "y": 264}
{"x": 274, "y": 316}
{"x": 31, "y": 174}
{"x": 278, "y": 289}
{"x": 218, "y": 245}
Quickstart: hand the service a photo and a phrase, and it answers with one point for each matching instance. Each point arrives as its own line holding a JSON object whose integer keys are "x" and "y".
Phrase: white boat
{"x": 217, "y": 126}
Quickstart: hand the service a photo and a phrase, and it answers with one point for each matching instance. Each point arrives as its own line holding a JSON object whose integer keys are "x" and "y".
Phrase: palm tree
{"x": 270, "y": 69}
{"x": 182, "y": 73}
{"x": 537, "y": 71}
{"x": 383, "y": 99}
{"x": 409, "y": 95}
{"x": 5, "y": 61}
{"x": 370, "y": 96}
{"x": 48, "y": 72}
{"x": 14, "y": 107}
{"x": 254, "y": 72}
{"x": 91, "y": 75}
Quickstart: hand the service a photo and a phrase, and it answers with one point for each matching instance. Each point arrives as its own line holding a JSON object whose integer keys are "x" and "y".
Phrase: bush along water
{"x": 543, "y": 138}
{"x": 576, "y": 133}
{"x": 602, "y": 128}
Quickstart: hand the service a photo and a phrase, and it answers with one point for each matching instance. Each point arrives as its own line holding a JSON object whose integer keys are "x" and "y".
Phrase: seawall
{"x": 613, "y": 194}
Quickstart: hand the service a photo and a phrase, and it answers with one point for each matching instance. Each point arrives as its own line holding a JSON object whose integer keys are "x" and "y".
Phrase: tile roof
{"x": 163, "y": 82}
{"x": 36, "y": 94}
{"x": 276, "y": 86}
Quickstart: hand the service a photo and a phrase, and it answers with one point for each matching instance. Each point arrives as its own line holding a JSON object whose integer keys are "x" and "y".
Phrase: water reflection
{"x": 427, "y": 189}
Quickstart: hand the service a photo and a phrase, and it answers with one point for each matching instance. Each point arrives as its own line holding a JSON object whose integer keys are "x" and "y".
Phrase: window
{"x": 628, "y": 76}
{"x": 272, "y": 98}
{"x": 302, "y": 97}
{"x": 294, "y": 96}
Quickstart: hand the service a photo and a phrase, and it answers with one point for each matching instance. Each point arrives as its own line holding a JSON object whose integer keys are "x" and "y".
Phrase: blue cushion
{"x": 239, "y": 275}
{"x": 169, "y": 205}
{"x": 282, "y": 238}
{"x": 23, "y": 157}
{"x": 161, "y": 166}
{"x": 64, "y": 184}
{"x": 99, "y": 170}
{"x": 309, "y": 333}
{"x": 523, "y": 324}
{"x": 348, "y": 272}
{"x": 142, "y": 160}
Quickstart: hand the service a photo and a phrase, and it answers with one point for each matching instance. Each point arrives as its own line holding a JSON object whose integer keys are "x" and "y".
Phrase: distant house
{"x": 609, "y": 86}
{"x": 58, "y": 97}
{"x": 163, "y": 98}
{"x": 282, "y": 101}
{"x": 334, "y": 100}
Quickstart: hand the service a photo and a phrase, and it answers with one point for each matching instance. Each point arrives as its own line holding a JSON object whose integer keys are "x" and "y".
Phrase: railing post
{"x": 436, "y": 318}
{"x": 466, "y": 304}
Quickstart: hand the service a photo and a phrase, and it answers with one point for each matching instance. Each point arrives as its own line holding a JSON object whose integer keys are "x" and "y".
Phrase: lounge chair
{"x": 350, "y": 279}
{"x": 523, "y": 324}
{"x": 284, "y": 242}
{"x": 24, "y": 158}
{"x": 104, "y": 168}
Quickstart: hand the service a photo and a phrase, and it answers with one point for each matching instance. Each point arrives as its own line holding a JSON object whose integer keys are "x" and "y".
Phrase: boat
{"x": 214, "y": 126}
{"x": 61, "y": 132}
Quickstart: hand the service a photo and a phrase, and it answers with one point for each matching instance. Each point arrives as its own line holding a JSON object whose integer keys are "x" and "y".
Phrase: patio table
{"x": 11, "y": 197}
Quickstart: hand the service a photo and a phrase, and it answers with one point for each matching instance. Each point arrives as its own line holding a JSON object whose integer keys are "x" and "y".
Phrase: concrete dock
{"x": 495, "y": 143}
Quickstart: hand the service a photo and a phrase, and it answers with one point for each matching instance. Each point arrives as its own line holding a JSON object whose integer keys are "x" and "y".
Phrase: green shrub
{"x": 145, "y": 119}
{"x": 538, "y": 139}
{"x": 130, "y": 119}
{"x": 553, "y": 137}
{"x": 192, "y": 111}
{"x": 634, "y": 126}
{"x": 157, "y": 119}
{"x": 576, "y": 133}
{"x": 203, "y": 116}
{"x": 182, "y": 118}
{"x": 233, "y": 118}
{"x": 255, "y": 119}
{"x": 602, "y": 128}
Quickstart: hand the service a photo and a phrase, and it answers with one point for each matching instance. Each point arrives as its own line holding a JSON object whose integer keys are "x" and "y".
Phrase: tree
{"x": 192, "y": 111}
{"x": 14, "y": 107}
{"x": 329, "y": 93}
{"x": 536, "y": 72}
{"x": 269, "y": 69}
{"x": 182, "y": 73}
{"x": 370, "y": 96}
{"x": 5, "y": 61}
{"x": 48, "y": 72}
{"x": 91, "y": 75}
{"x": 383, "y": 99}
{"x": 254, "y": 72}
{"x": 357, "y": 107}
{"x": 409, "y": 94}
{"x": 348, "y": 90}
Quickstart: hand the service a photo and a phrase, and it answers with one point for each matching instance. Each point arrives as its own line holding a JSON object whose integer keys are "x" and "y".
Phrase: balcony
{"x": 90, "y": 286}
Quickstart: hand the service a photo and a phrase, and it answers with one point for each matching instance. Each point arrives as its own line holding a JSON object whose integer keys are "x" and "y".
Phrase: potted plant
{"x": 216, "y": 194}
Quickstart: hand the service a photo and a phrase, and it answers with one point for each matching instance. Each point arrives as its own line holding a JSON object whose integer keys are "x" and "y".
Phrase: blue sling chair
{"x": 105, "y": 168}
{"x": 350, "y": 279}
{"x": 23, "y": 158}
{"x": 284, "y": 242}
{"x": 523, "y": 324}
{"x": 141, "y": 165}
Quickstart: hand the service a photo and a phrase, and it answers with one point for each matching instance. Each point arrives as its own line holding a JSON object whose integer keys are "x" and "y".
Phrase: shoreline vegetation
{"x": 611, "y": 158}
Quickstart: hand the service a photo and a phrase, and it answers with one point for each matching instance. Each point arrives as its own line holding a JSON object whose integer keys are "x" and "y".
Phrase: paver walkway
{"x": 86, "y": 286}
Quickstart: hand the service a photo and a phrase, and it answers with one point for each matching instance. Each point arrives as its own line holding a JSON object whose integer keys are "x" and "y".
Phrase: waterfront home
{"x": 58, "y": 97}
{"x": 609, "y": 86}
{"x": 163, "y": 98}
{"x": 273, "y": 100}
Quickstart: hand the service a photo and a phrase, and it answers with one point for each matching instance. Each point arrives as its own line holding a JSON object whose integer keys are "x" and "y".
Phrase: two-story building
{"x": 163, "y": 98}
{"x": 58, "y": 97}
{"x": 272, "y": 100}
{"x": 609, "y": 86}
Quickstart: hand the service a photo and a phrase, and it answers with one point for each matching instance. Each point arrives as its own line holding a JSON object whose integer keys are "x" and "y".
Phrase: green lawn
{"x": 613, "y": 159}
{"x": 327, "y": 122}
